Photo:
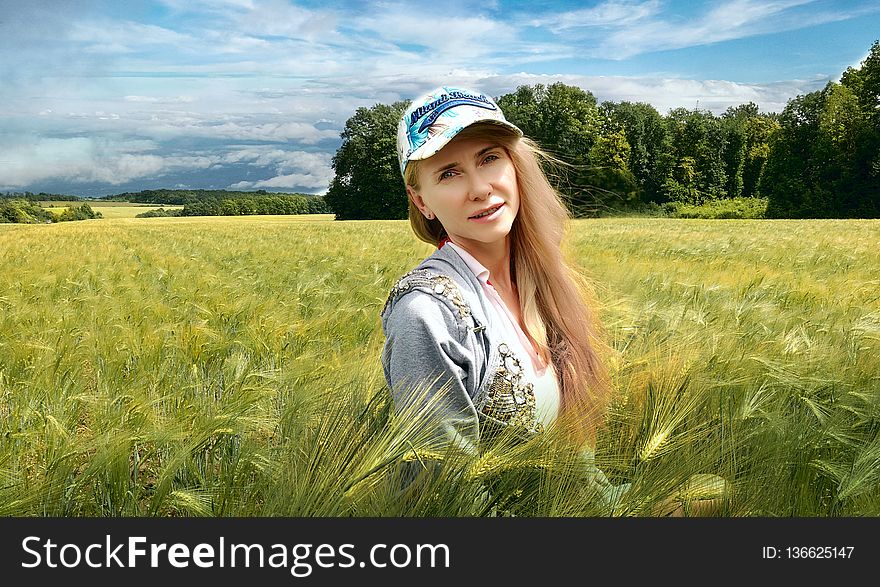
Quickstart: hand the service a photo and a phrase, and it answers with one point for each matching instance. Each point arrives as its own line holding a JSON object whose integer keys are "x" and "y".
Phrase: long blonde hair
{"x": 553, "y": 297}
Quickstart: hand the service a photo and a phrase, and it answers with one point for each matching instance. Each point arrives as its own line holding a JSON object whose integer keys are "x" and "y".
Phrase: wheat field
{"x": 230, "y": 367}
{"x": 107, "y": 209}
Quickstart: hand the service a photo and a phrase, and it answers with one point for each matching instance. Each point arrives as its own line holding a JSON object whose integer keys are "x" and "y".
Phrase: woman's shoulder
{"x": 442, "y": 276}
{"x": 429, "y": 284}
{"x": 439, "y": 289}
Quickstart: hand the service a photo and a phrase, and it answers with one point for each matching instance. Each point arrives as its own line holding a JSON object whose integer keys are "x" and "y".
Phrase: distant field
{"x": 108, "y": 209}
{"x": 230, "y": 366}
{"x": 111, "y": 210}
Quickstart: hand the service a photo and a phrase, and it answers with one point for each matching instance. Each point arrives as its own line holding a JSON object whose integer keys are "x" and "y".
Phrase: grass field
{"x": 108, "y": 209}
{"x": 230, "y": 366}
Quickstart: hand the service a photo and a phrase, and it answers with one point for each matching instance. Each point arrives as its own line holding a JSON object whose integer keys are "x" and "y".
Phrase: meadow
{"x": 230, "y": 367}
{"x": 108, "y": 209}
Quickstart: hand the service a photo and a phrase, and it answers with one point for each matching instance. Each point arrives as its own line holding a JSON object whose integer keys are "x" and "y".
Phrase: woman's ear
{"x": 419, "y": 202}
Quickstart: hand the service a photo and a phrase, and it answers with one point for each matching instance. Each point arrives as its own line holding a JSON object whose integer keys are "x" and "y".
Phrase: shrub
{"x": 158, "y": 212}
{"x": 24, "y": 212}
{"x": 82, "y": 212}
{"x": 739, "y": 208}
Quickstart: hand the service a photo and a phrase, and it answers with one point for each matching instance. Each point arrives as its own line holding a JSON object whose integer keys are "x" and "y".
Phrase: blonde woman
{"x": 494, "y": 322}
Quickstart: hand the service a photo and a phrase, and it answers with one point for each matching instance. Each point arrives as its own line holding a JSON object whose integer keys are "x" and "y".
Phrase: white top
{"x": 543, "y": 377}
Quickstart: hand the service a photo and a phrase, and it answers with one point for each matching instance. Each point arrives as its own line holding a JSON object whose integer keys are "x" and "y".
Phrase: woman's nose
{"x": 479, "y": 188}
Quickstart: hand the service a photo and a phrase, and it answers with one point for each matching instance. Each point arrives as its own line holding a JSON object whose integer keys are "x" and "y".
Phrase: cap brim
{"x": 433, "y": 145}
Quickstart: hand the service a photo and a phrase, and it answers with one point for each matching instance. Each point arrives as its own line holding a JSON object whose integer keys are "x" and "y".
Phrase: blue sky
{"x": 102, "y": 97}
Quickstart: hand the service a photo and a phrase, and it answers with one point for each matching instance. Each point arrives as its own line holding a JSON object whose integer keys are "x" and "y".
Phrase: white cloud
{"x": 160, "y": 99}
{"x": 301, "y": 132}
{"x": 265, "y": 155}
{"x": 632, "y": 28}
{"x": 282, "y": 18}
{"x": 665, "y": 93}
{"x": 184, "y": 5}
{"x": 98, "y": 157}
{"x": 292, "y": 181}
{"x": 295, "y": 169}
{"x": 611, "y": 13}
{"x": 114, "y": 36}
{"x": 28, "y": 160}
{"x": 448, "y": 36}
{"x": 232, "y": 43}
{"x": 152, "y": 117}
{"x": 621, "y": 29}
{"x": 78, "y": 160}
{"x": 731, "y": 20}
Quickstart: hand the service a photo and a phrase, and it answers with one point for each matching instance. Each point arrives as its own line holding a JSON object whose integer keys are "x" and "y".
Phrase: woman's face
{"x": 470, "y": 186}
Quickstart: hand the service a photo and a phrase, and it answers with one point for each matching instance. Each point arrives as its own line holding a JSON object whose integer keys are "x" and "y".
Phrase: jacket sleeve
{"x": 596, "y": 481}
{"x": 427, "y": 366}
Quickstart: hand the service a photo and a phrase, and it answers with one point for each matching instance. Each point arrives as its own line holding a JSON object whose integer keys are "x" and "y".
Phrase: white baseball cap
{"x": 434, "y": 119}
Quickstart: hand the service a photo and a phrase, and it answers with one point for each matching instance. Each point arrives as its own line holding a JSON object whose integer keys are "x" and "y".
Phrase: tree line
{"x": 244, "y": 206}
{"x": 819, "y": 157}
{"x": 179, "y": 197}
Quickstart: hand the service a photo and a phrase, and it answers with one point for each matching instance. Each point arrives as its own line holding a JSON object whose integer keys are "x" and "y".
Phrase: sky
{"x": 101, "y": 97}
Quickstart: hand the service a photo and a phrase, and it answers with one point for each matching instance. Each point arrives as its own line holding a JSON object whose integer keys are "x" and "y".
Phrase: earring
{"x": 429, "y": 216}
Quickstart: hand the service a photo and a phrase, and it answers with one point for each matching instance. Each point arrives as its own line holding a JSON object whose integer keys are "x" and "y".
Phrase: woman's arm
{"x": 428, "y": 369}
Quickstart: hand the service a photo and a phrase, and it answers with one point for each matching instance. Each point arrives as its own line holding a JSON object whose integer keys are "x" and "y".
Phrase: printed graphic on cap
{"x": 419, "y": 132}
{"x": 434, "y": 119}
{"x": 444, "y": 103}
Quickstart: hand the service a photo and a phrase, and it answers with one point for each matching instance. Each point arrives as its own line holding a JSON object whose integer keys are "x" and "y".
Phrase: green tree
{"x": 864, "y": 83}
{"x": 759, "y": 132}
{"x": 367, "y": 184}
{"x": 229, "y": 207}
{"x": 746, "y": 147}
{"x": 81, "y": 212}
{"x": 609, "y": 159}
{"x": 790, "y": 177}
{"x": 564, "y": 121}
{"x": 734, "y": 123}
{"x": 645, "y": 132}
{"x": 521, "y": 108}
{"x": 24, "y": 211}
{"x": 680, "y": 185}
{"x": 694, "y": 157}
{"x": 824, "y": 160}
{"x": 840, "y": 131}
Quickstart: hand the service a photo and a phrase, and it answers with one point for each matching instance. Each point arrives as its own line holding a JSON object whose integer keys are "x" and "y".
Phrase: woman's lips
{"x": 488, "y": 217}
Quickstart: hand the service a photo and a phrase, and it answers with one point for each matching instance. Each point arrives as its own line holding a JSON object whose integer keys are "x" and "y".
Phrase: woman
{"x": 494, "y": 323}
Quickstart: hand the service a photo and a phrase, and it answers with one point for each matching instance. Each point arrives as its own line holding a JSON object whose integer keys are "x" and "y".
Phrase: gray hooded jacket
{"x": 440, "y": 335}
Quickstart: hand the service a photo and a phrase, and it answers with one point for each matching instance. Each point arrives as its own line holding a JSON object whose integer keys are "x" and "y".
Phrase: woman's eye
{"x": 490, "y": 158}
{"x": 446, "y": 175}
